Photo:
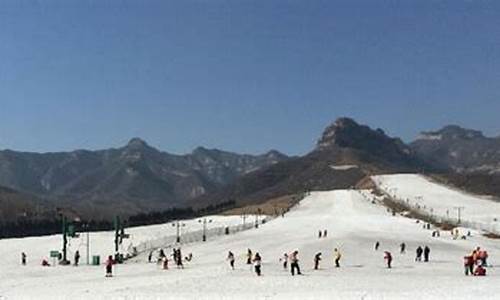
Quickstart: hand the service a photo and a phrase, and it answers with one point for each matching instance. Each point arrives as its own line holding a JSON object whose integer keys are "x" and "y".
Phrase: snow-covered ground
{"x": 442, "y": 201}
{"x": 353, "y": 224}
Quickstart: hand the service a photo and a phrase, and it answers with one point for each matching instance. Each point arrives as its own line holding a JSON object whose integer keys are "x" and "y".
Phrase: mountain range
{"x": 138, "y": 178}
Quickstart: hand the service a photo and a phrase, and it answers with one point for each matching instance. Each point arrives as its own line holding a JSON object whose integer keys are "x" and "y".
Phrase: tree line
{"x": 25, "y": 227}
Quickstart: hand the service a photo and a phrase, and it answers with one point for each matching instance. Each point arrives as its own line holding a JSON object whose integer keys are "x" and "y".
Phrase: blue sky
{"x": 245, "y": 76}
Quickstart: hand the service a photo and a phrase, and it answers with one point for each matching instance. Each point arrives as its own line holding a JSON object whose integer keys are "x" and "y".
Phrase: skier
{"x": 427, "y": 251}
{"x": 480, "y": 271}
{"x": 45, "y": 263}
{"x": 403, "y": 248}
{"x": 388, "y": 258}
{"x": 230, "y": 257}
{"x": 294, "y": 262}
{"x": 23, "y": 259}
{"x": 165, "y": 263}
{"x": 317, "y": 258}
{"x": 109, "y": 266}
{"x": 325, "y": 233}
{"x": 483, "y": 257}
{"x": 77, "y": 258}
{"x": 319, "y": 234}
{"x": 249, "y": 257}
{"x": 161, "y": 256}
{"x": 150, "y": 256}
{"x": 468, "y": 265}
{"x": 179, "y": 259}
{"x": 377, "y": 245}
{"x": 284, "y": 259}
{"x": 337, "y": 255}
{"x": 419, "y": 254}
{"x": 257, "y": 261}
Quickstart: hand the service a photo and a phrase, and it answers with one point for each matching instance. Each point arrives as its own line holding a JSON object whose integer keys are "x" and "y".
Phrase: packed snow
{"x": 442, "y": 201}
{"x": 353, "y": 222}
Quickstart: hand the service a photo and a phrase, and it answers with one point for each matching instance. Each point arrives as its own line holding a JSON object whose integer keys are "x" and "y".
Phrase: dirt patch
{"x": 274, "y": 206}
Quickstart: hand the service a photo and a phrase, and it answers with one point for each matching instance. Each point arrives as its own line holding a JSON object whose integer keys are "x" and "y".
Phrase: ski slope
{"x": 353, "y": 224}
{"x": 442, "y": 201}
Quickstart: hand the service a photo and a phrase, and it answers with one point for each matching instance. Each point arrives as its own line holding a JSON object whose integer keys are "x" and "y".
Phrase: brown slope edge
{"x": 343, "y": 143}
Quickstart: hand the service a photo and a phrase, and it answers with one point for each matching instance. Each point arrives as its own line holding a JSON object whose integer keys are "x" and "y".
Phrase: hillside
{"x": 128, "y": 180}
{"x": 345, "y": 154}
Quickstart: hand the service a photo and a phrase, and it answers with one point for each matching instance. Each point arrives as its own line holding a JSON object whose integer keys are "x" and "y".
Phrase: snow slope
{"x": 440, "y": 200}
{"x": 353, "y": 223}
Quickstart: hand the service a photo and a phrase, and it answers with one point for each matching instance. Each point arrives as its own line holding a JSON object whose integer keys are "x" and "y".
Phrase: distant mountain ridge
{"x": 127, "y": 180}
{"x": 463, "y": 150}
{"x": 345, "y": 154}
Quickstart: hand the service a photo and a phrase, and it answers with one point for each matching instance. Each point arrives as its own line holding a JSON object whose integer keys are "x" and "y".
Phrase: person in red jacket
{"x": 109, "y": 266}
{"x": 469, "y": 265}
{"x": 480, "y": 271}
{"x": 388, "y": 258}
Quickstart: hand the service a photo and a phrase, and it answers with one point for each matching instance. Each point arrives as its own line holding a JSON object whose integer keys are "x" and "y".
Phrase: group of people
{"x": 322, "y": 233}
{"x": 479, "y": 259}
{"x": 287, "y": 260}
{"x": 176, "y": 257}
{"x": 45, "y": 261}
{"x": 425, "y": 252}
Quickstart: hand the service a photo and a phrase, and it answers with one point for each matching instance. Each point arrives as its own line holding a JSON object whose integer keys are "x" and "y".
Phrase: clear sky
{"x": 240, "y": 75}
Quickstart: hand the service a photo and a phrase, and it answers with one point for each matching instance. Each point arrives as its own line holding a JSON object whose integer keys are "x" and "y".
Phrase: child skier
{"x": 230, "y": 257}
{"x": 257, "y": 261}
{"x": 388, "y": 258}
{"x": 77, "y": 258}
{"x": 317, "y": 259}
{"x": 284, "y": 259}
{"x": 109, "y": 266}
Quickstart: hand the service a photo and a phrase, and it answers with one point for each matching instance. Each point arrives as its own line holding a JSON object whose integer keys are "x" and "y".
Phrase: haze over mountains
{"x": 139, "y": 178}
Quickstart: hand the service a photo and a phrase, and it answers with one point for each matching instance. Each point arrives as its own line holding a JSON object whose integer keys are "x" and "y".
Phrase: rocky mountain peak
{"x": 137, "y": 143}
{"x": 347, "y": 133}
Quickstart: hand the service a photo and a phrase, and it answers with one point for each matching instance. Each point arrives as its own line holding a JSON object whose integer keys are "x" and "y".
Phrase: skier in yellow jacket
{"x": 337, "y": 255}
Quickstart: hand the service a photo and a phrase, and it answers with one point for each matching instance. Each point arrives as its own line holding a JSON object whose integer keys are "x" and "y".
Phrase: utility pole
{"x": 205, "y": 228}
{"x": 177, "y": 224}
{"x": 87, "y": 228}
{"x": 65, "y": 238}
{"x": 459, "y": 212}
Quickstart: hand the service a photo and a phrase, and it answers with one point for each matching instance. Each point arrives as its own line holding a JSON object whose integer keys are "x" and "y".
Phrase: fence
{"x": 190, "y": 237}
{"x": 436, "y": 217}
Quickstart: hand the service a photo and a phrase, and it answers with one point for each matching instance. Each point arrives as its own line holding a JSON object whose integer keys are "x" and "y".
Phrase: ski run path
{"x": 353, "y": 224}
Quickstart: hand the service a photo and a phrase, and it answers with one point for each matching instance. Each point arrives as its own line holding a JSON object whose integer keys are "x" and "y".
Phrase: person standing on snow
{"x": 388, "y": 258}
{"x": 468, "y": 265}
{"x": 319, "y": 234}
{"x": 179, "y": 259}
{"x": 317, "y": 259}
{"x": 294, "y": 262}
{"x": 23, "y": 259}
{"x": 419, "y": 252}
{"x": 377, "y": 245}
{"x": 403, "y": 248}
{"x": 427, "y": 252}
{"x": 249, "y": 257}
{"x": 77, "y": 258}
{"x": 109, "y": 266}
{"x": 230, "y": 257}
{"x": 150, "y": 256}
{"x": 257, "y": 262}
{"x": 325, "y": 233}
{"x": 284, "y": 259}
{"x": 337, "y": 256}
